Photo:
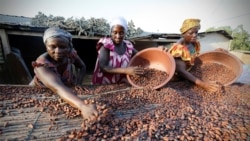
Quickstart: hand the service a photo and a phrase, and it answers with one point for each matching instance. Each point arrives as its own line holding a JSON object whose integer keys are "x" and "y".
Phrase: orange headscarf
{"x": 188, "y": 24}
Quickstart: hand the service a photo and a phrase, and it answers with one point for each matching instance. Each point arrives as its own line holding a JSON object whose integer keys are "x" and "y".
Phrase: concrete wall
{"x": 212, "y": 41}
{"x": 244, "y": 57}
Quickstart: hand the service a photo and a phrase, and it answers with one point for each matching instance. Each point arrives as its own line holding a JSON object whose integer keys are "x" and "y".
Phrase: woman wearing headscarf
{"x": 114, "y": 54}
{"x": 61, "y": 67}
{"x": 185, "y": 51}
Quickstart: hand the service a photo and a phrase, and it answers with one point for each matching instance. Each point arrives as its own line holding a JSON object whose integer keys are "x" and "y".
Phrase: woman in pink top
{"x": 114, "y": 54}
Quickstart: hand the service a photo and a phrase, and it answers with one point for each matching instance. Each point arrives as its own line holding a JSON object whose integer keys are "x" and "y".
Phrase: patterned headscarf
{"x": 57, "y": 32}
{"x": 189, "y": 23}
{"x": 119, "y": 21}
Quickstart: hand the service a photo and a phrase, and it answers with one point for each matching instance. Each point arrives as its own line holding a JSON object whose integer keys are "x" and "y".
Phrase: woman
{"x": 114, "y": 54}
{"x": 60, "y": 67}
{"x": 185, "y": 51}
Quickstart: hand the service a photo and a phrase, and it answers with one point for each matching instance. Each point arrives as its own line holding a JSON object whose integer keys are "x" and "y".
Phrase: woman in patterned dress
{"x": 114, "y": 54}
{"x": 185, "y": 51}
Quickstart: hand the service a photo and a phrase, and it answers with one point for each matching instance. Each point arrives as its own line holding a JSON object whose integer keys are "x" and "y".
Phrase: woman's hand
{"x": 89, "y": 112}
{"x": 221, "y": 49}
{"x": 163, "y": 48}
{"x": 134, "y": 70}
{"x": 208, "y": 85}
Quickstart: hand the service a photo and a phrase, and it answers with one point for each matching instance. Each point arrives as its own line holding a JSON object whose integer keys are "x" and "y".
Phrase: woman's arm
{"x": 53, "y": 82}
{"x": 181, "y": 69}
{"x": 104, "y": 61}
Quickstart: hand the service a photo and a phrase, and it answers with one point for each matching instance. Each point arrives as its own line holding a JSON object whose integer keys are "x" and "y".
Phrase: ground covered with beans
{"x": 178, "y": 111}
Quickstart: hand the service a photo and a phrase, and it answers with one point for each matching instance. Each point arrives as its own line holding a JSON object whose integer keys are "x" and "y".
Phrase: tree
{"x": 132, "y": 31}
{"x": 240, "y": 37}
{"x": 82, "y": 26}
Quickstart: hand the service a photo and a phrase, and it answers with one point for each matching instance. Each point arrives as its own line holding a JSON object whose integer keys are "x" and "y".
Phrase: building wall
{"x": 212, "y": 41}
{"x": 215, "y": 40}
{"x": 1, "y": 53}
{"x": 139, "y": 45}
{"x": 32, "y": 46}
{"x": 244, "y": 57}
{"x": 86, "y": 49}
{"x": 2, "y": 67}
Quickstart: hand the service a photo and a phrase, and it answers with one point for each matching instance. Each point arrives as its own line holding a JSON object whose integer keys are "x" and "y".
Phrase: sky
{"x": 163, "y": 16}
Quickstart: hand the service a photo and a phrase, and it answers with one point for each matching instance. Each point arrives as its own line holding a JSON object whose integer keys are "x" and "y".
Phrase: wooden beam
{"x": 24, "y": 33}
{"x": 156, "y": 40}
{"x": 5, "y": 42}
{"x": 86, "y": 37}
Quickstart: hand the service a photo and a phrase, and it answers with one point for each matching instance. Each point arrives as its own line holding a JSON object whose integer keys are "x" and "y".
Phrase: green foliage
{"x": 241, "y": 39}
{"x": 82, "y": 26}
{"x": 132, "y": 30}
{"x": 240, "y": 36}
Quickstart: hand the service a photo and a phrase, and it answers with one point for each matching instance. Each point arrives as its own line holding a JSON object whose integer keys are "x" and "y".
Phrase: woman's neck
{"x": 119, "y": 45}
{"x": 184, "y": 42}
{"x": 119, "y": 48}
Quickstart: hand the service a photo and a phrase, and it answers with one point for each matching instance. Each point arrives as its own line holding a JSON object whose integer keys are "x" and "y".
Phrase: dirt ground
{"x": 178, "y": 111}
